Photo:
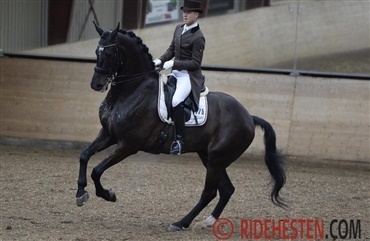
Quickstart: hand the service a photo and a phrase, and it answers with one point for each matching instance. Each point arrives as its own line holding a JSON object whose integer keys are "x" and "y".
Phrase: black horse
{"x": 130, "y": 120}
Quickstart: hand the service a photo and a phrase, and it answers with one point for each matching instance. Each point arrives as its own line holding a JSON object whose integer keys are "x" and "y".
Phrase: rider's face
{"x": 190, "y": 17}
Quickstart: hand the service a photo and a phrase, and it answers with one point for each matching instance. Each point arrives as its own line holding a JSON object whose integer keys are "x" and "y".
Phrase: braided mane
{"x": 139, "y": 41}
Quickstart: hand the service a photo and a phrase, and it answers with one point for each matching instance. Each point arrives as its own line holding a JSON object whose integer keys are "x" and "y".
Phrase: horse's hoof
{"x": 107, "y": 195}
{"x": 112, "y": 196}
{"x": 80, "y": 201}
{"x": 205, "y": 224}
{"x": 173, "y": 228}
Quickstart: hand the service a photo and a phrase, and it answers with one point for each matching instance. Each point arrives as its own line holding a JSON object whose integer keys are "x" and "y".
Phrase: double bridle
{"x": 112, "y": 73}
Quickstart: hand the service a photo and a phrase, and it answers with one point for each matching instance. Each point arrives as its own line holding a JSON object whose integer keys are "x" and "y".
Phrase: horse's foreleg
{"x": 101, "y": 142}
{"x": 118, "y": 155}
{"x": 208, "y": 194}
{"x": 226, "y": 190}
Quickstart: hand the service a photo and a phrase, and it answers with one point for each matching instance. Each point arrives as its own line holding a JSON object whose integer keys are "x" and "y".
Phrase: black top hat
{"x": 192, "y": 5}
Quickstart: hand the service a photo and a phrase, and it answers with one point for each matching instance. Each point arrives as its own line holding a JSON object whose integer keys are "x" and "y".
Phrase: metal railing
{"x": 289, "y": 72}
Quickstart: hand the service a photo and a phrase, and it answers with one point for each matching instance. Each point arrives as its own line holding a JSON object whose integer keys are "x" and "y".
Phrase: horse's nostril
{"x": 96, "y": 86}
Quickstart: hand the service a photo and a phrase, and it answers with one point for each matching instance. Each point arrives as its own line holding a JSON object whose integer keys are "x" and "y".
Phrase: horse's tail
{"x": 273, "y": 159}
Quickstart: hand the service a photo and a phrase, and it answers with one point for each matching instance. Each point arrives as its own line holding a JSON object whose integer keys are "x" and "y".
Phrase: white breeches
{"x": 183, "y": 86}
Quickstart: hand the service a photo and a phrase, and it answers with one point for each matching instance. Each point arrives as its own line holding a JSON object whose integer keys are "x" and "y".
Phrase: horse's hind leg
{"x": 226, "y": 190}
{"x": 101, "y": 142}
{"x": 208, "y": 194}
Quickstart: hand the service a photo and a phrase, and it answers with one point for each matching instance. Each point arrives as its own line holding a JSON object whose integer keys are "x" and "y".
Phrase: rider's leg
{"x": 177, "y": 146}
{"x": 183, "y": 88}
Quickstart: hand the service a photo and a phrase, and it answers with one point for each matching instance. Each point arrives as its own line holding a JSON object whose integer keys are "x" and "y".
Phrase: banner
{"x": 162, "y": 11}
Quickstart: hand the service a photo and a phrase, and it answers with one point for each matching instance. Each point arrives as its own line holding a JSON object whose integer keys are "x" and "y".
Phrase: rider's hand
{"x": 157, "y": 62}
{"x": 168, "y": 64}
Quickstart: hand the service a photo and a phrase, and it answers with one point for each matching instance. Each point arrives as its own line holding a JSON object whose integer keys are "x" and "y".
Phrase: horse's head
{"x": 121, "y": 57}
{"x": 107, "y": 54}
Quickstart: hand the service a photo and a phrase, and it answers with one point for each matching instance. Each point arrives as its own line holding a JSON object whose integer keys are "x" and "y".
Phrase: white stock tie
{"x": 185, "y": 30}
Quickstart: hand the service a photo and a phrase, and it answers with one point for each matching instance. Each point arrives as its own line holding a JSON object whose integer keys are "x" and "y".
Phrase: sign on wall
{"x": 161, "y": 11}
{"x": 217, "y": 6}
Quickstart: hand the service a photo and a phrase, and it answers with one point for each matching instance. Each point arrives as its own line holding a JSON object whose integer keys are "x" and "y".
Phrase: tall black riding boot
{"x": 177, "y": 147}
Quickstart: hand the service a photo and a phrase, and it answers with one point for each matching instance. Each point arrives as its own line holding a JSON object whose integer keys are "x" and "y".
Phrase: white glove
{"x": 168, "y": 64}
{"x": 157, "y": 62}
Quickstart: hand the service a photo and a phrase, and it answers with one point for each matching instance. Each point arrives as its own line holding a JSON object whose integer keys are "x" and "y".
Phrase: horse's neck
{"x": 139, "y": 62}
{"x": 141, "y": 87}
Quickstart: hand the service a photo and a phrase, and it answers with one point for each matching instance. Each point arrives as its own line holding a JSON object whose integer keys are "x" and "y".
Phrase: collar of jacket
{"x": 193, "y": 30}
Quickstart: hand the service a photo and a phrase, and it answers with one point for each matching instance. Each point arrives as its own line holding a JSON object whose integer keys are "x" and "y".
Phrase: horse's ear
{"x": 115, "y": 31}
{"x": 98, "y": 29}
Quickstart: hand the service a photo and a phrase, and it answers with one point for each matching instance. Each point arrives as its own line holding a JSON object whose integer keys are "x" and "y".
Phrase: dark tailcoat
{"x": 188, "y": 50}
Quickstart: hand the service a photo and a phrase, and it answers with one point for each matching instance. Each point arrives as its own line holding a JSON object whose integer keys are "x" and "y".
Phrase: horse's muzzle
{"x": 99, "y": 82}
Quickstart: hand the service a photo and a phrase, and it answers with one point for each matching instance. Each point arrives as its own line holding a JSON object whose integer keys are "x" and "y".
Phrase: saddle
{"x": 194, "y": 115}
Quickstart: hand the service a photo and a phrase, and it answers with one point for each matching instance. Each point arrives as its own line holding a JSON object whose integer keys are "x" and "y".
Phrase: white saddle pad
{"x": 201, "y": 114}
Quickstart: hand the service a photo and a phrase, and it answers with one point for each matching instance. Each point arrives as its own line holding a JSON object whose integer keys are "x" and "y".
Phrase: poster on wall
{"x": 218, "y": 6}
{"x": 162, "y": 11}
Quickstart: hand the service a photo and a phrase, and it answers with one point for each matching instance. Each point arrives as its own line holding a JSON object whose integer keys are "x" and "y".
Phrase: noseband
{"x": 112, "y": 73}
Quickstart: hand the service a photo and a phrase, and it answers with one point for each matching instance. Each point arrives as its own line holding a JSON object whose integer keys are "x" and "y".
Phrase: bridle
{"x": 112, "y": 73}
{"x": 101, "y": 70}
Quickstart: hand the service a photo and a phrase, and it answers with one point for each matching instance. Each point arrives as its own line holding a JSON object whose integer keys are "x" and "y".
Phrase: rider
{"x": 187, "y": 47}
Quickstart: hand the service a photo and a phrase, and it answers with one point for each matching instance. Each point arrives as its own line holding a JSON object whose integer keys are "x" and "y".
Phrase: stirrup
{"x": 176, "y": 147}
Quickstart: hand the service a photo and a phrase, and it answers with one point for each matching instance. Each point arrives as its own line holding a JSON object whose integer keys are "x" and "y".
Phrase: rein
{"x": 113, "y": 77}
{"x": 119, "y": 79}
